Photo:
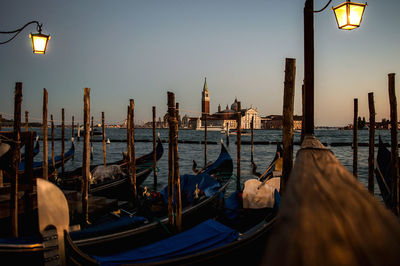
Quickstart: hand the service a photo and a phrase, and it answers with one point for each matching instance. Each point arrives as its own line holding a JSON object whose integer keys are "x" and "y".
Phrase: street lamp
{"x": 348, "y": 16}
{"x": 39, "y": 40}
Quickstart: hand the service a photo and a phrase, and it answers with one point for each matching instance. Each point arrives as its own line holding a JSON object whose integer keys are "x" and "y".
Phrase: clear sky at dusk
{"x": 142, "y": 49}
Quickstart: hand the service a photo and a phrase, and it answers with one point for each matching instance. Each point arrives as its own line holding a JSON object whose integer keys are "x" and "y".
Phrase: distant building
{"x": 223, "y": 118}
{"x": 276, "y": 122}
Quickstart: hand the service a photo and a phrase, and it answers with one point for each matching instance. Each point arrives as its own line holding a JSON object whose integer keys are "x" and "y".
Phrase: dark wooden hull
{"x": 383, "y": 174}
{"x": 117, "y": 188}
{"x": 159, "y": 229}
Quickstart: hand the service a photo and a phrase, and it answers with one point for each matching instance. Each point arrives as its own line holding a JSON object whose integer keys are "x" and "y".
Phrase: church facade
{"x": 222, "y": 119}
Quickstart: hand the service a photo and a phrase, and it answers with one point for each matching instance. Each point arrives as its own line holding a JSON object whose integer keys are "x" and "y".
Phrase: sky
{"x": 140, "y": 49}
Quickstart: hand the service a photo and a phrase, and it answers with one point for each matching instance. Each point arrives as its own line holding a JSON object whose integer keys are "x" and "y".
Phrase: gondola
{"x": 127, "y": 232}
{"x": 237, "y": 235}
{"x": 38, "y": 166}
{"x": 383, "y": 173}
{"x": 116, "y": 184}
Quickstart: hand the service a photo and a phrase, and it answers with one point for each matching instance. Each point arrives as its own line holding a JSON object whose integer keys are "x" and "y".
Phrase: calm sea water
{"x": 263, "y": 154}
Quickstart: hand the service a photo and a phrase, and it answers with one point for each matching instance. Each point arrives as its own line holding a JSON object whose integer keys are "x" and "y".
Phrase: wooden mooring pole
{"x": 52, "y": 143}
{"x": 128, "y": 140}
{"x": 371, "y": 156}
{"x": 73, "y": 133}
{"x": 72, "y": 128}
{"x": 62, "y": 141}
{"x": 205, "y": 139}
{"x": 132, "y": 143}
{"x": 45, "y": 149}
{"x": 1, "y": 171}
{"x": 303, "y": 107}
{"x": 154, "y": 148}
{"x": 171, "y": 165}
{"x": 16, "y": 159}
{"x": 174, "y": 192}
{"x": 177, "y": 185}
{"x": 355, "y": 139}
{"x": 86, "y": 156}
{"x": 26, "y": 121}
{"x": 78, "y": 133}
{"x": 91, "y": 140}
{"x": 394, "y": 143}
{"x": 287, "y": 130}
{"x": 252, "y": 139}
{"x": 103, "y": 126}
{"x": 239, "y": 144}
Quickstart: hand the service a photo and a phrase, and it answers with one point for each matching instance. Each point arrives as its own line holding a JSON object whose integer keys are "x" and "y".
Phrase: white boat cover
{"x": 103, "y": 173}
{"x": 258, "y": 196}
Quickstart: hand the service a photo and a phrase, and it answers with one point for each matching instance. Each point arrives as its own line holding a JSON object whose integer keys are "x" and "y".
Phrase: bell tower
{"x": 205, "y": 99}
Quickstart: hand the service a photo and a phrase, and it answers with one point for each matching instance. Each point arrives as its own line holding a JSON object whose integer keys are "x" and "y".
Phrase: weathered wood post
{"x": 52, "y": 143}
{"x": 86, "y": 156}
{"x": 177, "y": 186}
{"x": 72, "y": 128}
{"x": 303, "y": 107}
{"x": 252, "y": 138}
{"x": 174, "y": 171}
{"x": 394, "y": 143}
{"x": 239, "y": 144}
{"x": 104, "y": 138}
{"x": 45, "y": 149}
{"x": 171, "y": 113}
{"x": 355, "y": 139}
{"x": 62, "y": 141}
{"x": 287, "y": 130}
{"x": 371, "y": 156}
{"x": 132, "y": 143}
{"x": 15, "y": 159}
{"x": 205, "y": 139}
{"x": 227, "y": 133}
{"x": 78, "y": 134}
{"x": 1, "y": 171}
{"x": 91, "y": 140}
{"x": 26, "y": 121}
{"x": 73, "y": 133}
{"x": 154, "y": 148}
{"x": 128, "y": 141}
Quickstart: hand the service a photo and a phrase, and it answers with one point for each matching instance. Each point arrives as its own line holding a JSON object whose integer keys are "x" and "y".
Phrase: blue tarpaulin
{"x": 102, "y": 229}
{"x": 207, "y": 235}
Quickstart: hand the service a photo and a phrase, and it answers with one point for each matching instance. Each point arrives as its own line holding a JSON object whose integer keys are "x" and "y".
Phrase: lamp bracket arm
{"x": 322, "y": 9}
{"x": 17, "y": 31}
{"x": 39, "y": 27}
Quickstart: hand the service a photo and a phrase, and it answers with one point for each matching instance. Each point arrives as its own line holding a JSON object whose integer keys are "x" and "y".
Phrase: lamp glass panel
{"x": 39, "y": 44}
{"x": 355, "y": 15}
{"x": 341, "y": 15}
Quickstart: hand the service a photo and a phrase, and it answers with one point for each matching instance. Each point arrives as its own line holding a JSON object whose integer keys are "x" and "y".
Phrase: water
{"x": 263, "y": 154}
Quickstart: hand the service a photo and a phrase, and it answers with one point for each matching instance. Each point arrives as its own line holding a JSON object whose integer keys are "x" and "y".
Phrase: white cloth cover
{"x": 101, "y": 173}
{"x": 263, "y": 197}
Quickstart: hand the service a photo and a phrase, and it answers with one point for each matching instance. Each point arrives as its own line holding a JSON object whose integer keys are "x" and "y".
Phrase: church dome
{"x": 234, "y": 105}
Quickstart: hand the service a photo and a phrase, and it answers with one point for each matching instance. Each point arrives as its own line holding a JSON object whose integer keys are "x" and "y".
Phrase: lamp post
{"x": 348, "y": 16}
{"x": 39, "y": 40}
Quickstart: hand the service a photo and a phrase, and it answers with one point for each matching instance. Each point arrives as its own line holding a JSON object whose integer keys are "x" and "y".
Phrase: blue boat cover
{"x": 206, "y": 183}
{"x": 207, "y": 235}
{"x": 105, "y": 228}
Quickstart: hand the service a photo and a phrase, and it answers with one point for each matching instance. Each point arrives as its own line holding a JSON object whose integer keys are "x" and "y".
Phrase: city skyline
{"x": 142, "y": 49}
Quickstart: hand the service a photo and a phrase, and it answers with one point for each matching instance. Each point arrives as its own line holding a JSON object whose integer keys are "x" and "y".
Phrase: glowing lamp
{"x": 39, "y": 42}
{"x": 349, "y": 15}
